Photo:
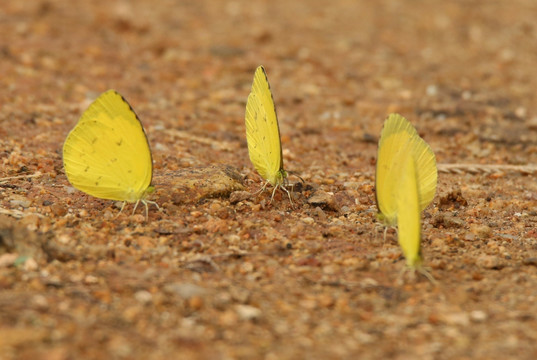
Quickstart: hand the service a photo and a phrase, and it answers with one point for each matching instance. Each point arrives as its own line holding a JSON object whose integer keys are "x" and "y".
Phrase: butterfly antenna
{"x": 296, "y": 174}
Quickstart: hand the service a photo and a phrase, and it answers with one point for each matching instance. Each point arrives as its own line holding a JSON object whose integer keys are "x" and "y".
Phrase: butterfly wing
{"x": 262, "y": 130}
{"x": 426, "y": 170}
{"x": 394, "y": 140}
{"x": 107, "y": 154}
{"x": 395, "y": 124}
{"x": 399, "y": 137}
{"x": 409, "y": 213}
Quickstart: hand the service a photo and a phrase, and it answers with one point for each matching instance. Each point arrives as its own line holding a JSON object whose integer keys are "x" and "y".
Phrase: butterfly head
{"x": 135, "y": 195}
{"x": 279, "y": 178}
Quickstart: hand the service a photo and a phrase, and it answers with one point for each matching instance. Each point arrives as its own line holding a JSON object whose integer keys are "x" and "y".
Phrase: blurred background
{"x": 334, "y": 66}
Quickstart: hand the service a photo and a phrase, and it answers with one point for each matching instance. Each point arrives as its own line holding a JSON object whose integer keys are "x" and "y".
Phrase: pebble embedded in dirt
{"x": 490, "y": 262}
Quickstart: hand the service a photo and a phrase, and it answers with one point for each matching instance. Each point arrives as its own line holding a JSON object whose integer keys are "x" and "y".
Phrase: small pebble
{"x": 489, "y": 262}
{"x": 143, "y": 296}
{"x": 30, "y": 265}
{"x": 90, "y": 279}
{"x": 185, "y": 290}
{"x": 322, "y": 199}
{"x": 482, "y": 231}
{"x": 431, "y": 90}
{"x": 530, "y": 261}
{"x": 195, "y": 302}
{"x": 456, "y": 318}
{"x": 40, "y": 302}
{"x": 17, "y": 201}
{"x": 238, "y": 196}
{"x": 7, "y": 260}
{"x": 246, "y": 267}
{"x": 478, "y": 316}
{"x": 247, "y": 312}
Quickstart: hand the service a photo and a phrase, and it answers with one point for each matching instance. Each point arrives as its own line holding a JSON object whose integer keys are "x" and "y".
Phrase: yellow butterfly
{"x": 406, "y": 179}
{"x": 399, "y": 139}
{"x": 263, "y": 134}
{"x": 107, "y": 154}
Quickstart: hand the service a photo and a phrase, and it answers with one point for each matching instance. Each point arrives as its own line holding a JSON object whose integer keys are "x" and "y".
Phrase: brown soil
{"x": 217, "y": 274}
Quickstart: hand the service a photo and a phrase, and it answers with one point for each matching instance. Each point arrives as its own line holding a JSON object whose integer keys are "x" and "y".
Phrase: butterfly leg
{"x": 152, "y": 203}
{"x": 262, "y": 188}
{"x": 386, "y": 233}
{"x": 146, "y": 202}
{"x": 146, "y": 210}
{"x": 288, "y": 194}
{"x": 122, "y": 207}
{"x": 273, "y": 192}
{"x": 135, "y": 206}
{"x": 421, "y": 270}
{"x": 425, "y": 272}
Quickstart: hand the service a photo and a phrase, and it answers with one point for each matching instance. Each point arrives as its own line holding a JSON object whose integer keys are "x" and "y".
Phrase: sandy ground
{"x": 217, "y": 274}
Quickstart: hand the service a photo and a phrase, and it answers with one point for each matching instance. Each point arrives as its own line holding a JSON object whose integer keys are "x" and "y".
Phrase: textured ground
{"x": 220, "y": 276}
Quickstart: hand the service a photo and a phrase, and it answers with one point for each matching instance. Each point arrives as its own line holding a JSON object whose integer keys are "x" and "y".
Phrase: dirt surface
{"x": 220, "y": 274}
